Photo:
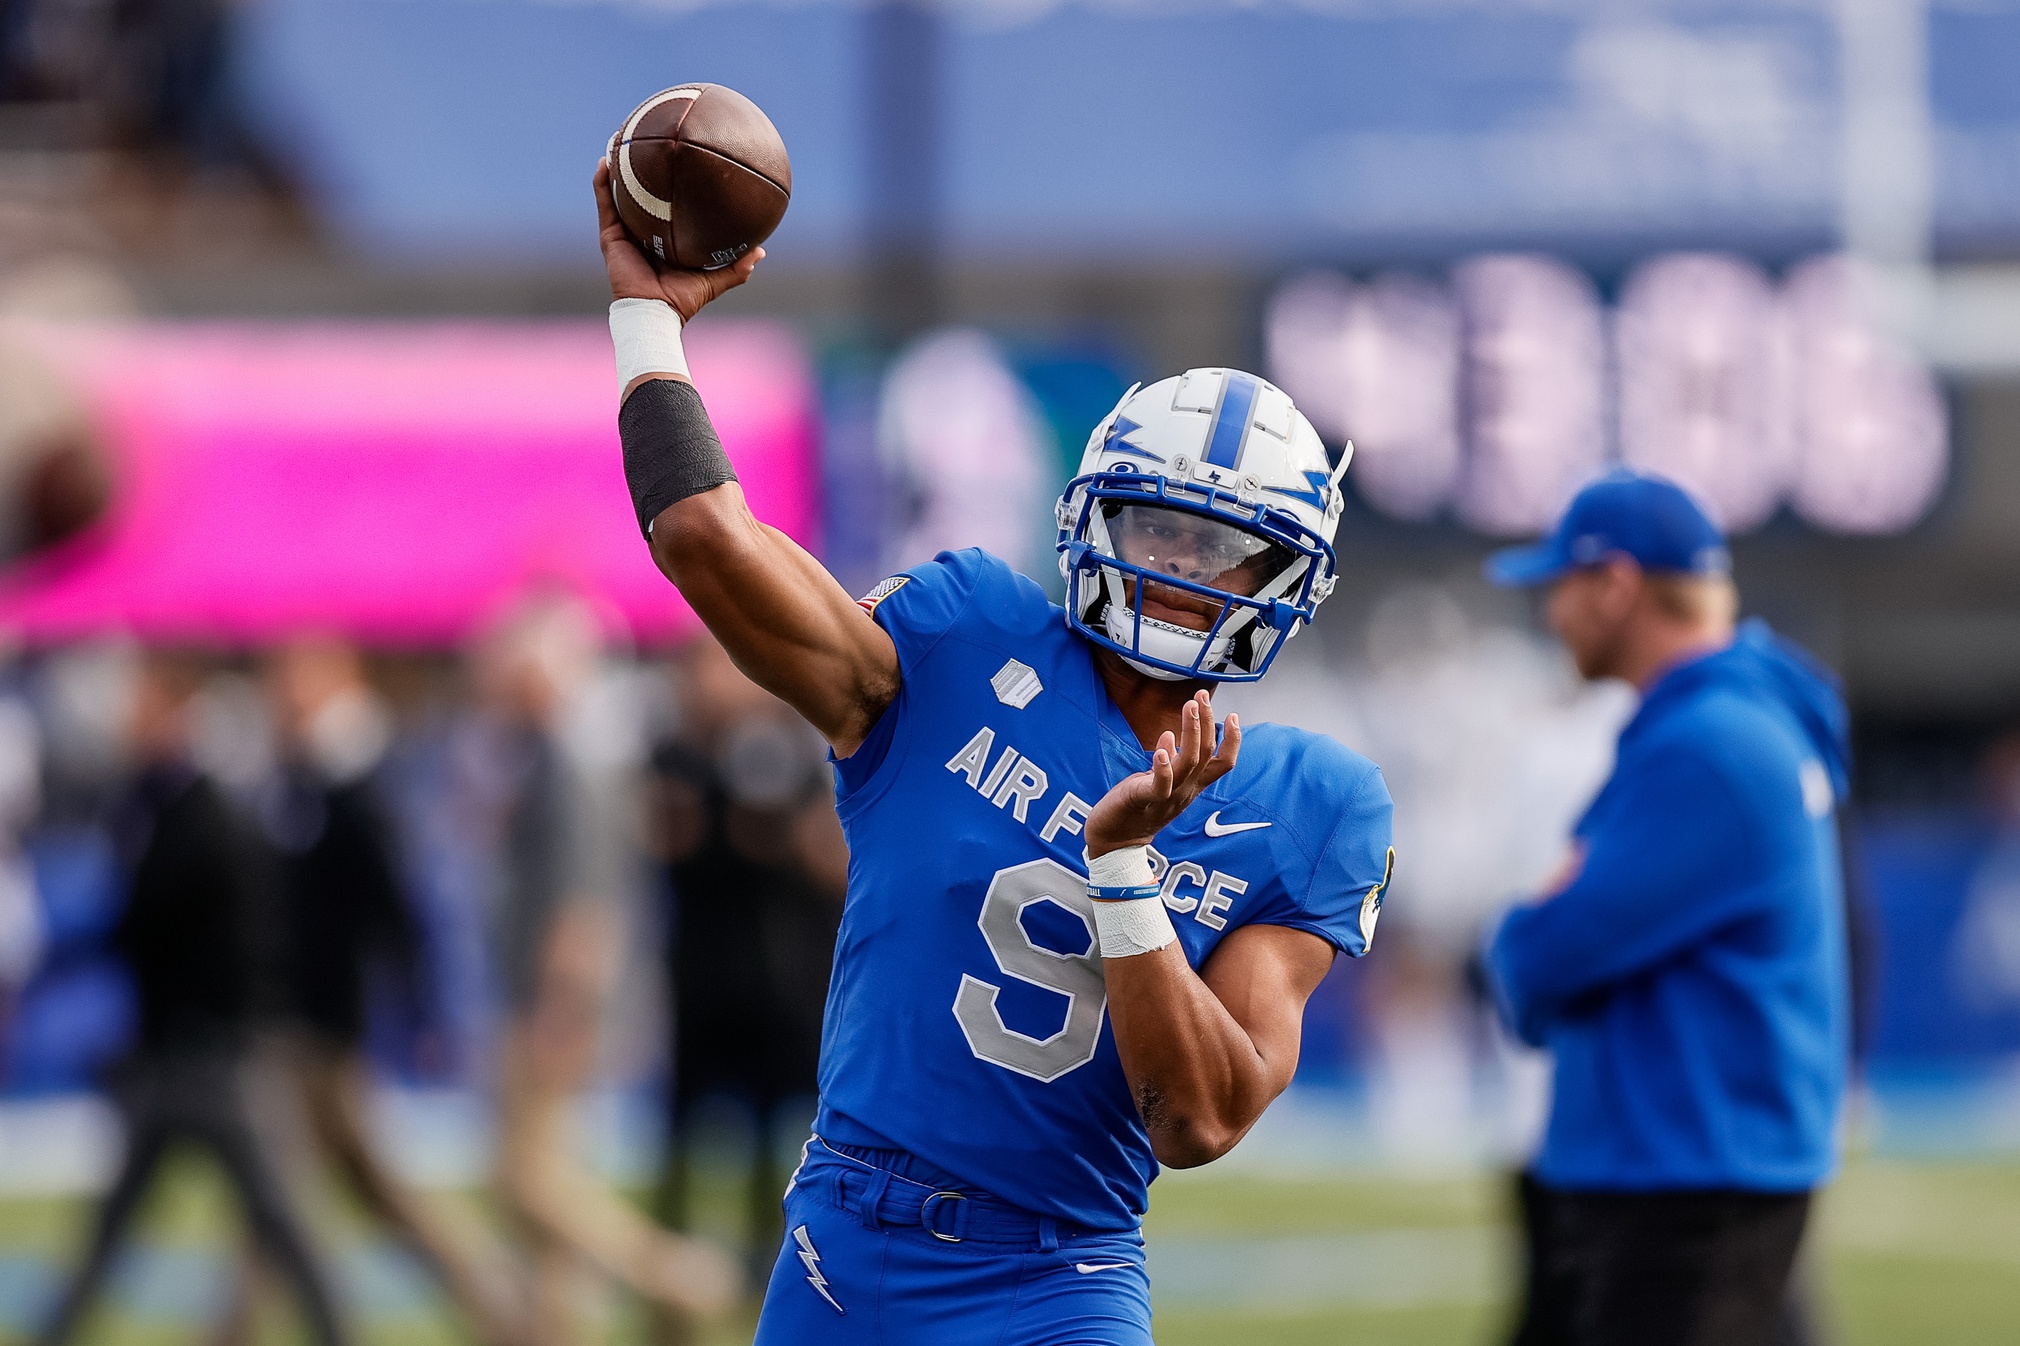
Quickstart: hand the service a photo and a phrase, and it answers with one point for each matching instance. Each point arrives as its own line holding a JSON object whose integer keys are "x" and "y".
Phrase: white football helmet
{"x": 1198, "y": 535}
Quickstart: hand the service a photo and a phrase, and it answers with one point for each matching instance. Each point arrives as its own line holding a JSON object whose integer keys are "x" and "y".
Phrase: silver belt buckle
{"x": 926, "y": 1220}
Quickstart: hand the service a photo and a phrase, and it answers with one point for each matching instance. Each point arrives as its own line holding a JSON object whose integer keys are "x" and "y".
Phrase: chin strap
{"x": 1153, "y": 671}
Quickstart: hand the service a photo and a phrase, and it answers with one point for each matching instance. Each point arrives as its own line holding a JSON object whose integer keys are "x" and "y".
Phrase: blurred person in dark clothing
{"x": 565, "y": 855}
{"x": 756, "y": 867}
{"x": 192, "y": 936}
{"x": 346, "y": 914}
{"x": 23, "y": 929}
{"x": 344, "y": 903}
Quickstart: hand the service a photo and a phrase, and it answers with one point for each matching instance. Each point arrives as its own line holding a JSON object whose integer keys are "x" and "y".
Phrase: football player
{"x": 1082, "y": 919}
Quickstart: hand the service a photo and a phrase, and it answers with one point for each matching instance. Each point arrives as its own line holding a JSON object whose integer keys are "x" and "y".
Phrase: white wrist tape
{"x": 646, "y": 333}
{"x": 1129, "y": 914}
{"x": 1128, "y": 867}
{"x": 1125, "y": 929}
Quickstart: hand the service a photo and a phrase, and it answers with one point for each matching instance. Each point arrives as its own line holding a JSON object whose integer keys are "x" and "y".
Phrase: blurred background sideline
{"x": 302, "y": 348}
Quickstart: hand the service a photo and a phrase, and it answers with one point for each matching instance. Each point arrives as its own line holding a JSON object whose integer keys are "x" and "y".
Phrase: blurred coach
{"x": 1688, "y": 969}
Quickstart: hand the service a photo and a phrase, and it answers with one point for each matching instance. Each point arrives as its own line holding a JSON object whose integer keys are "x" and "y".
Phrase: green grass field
{"x": 1906, "y": 1255}
{"x": 1914, "y": 1254}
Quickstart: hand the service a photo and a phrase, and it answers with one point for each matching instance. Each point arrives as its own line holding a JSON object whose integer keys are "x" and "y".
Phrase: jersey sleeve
{"x": 1681, "y": 857}
{"x": 1342, "y": 896}
{"x": 919, "y": 606}
{"x": 916, "y": 608}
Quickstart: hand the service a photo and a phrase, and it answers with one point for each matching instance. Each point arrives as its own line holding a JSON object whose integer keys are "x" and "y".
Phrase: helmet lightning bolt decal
{"x": 812, "y": 1260}
{"x": 1118, "y": 440}
{"x": 1319, "y": 492}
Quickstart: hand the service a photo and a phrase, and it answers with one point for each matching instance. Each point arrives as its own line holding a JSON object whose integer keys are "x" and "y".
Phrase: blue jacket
{"x": 1691, "y": 981}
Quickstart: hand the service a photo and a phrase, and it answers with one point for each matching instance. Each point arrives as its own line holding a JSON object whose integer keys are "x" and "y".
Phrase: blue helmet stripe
{"x": 1231, "y": 419}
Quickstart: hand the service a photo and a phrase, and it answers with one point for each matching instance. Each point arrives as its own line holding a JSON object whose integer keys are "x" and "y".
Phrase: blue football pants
{"x": 858, "y": 1267}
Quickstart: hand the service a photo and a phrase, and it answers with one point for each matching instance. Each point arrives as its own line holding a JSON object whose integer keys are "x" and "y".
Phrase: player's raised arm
{"x": 776, "y": 610}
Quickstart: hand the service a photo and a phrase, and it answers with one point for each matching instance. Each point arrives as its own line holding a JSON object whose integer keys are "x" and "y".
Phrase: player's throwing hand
{"x": 633, "y": 276}
{"x": 1137, "y": 809}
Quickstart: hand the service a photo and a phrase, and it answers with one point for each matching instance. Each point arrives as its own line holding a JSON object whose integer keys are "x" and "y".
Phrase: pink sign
{"x": 397, "y": 482}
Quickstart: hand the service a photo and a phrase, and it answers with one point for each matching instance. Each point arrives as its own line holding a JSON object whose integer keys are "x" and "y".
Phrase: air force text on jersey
{"x": 966, "y": 1025}
{"x": 1017, "y": 782}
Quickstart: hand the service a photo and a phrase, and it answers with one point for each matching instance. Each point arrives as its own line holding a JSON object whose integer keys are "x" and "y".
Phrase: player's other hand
{"x": 634, "y": 276}
{"x": 1136, "y": 810}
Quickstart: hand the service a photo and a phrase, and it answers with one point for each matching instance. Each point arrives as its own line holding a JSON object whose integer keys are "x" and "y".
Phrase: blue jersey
{"x": 966, "y": 1021}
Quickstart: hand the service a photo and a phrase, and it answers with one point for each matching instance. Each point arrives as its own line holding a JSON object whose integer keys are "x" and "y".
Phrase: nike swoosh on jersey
{"x": 1216, "y": 828}
{"x": 1084, "y": 1267}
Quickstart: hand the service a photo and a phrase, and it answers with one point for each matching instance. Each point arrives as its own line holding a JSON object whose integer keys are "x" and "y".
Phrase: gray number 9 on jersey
{"x": 1075, "y": 976}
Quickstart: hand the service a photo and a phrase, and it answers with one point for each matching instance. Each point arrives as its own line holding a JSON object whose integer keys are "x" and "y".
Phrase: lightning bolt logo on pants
{"x": 812, "y": 1260}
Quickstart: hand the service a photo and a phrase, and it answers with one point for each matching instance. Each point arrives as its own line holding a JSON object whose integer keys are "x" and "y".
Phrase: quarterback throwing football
{"x": 1082, "y": 919}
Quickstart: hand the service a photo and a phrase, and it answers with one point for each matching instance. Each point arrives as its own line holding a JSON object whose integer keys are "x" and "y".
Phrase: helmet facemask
{"x": 1186, "y": 582}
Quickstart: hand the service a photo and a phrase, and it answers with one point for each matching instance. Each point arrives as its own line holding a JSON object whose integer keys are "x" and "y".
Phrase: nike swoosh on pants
{"x": 1084, "y": 1267}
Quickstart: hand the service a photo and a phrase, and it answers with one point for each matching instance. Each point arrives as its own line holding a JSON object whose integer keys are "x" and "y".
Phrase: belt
{"x": 882, "y": 1199}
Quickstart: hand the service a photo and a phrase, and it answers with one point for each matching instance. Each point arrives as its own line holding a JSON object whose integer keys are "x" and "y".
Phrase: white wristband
{"x": 646, "y": 333}
{"x": 1127, "y": 926}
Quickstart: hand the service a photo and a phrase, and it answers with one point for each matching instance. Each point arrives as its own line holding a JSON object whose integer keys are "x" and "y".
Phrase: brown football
{"x": 700, "y": 175}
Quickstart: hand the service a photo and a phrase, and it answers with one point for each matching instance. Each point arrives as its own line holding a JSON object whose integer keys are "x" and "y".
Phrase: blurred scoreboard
{"x": 1495, "y": 394}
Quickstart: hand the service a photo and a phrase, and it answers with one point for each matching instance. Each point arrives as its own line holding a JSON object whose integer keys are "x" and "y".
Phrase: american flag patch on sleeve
{"x": 868, "y": 602}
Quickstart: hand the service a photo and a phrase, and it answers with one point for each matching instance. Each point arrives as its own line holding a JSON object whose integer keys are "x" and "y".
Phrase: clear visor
{"x": 1195, "y": 548}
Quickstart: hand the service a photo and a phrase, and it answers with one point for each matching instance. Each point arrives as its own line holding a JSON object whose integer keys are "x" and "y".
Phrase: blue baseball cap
{"x": 1624, "y": 513}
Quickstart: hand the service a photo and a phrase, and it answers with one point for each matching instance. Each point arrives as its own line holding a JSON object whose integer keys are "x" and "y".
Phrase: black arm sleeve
{"x": 670, "y": 449}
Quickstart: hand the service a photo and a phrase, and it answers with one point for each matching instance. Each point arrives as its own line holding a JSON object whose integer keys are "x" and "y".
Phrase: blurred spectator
{"x": 346, "y": 914}
{"x": 757, "y": 868}
{"x": 74, "y": 1015}
{"x": 558, "y": 941}
{"x": 191, "y": 937}
{"x": 22, "y": 928}
{"x": 1986, "y": 952}
{"x": 54, "y": 478}
{"x": 969, "y": 451}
